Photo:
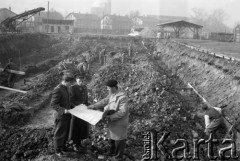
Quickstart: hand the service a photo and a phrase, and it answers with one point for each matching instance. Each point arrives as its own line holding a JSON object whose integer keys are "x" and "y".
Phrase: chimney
{"x": 10, "y": 8}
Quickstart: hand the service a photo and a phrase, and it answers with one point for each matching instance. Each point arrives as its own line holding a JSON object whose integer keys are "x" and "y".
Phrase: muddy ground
{"x": 27, "y": 120}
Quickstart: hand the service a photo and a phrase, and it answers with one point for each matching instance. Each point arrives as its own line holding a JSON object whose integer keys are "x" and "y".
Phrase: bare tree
{"x": 236, "y": 23}
{"x": 213, "y": 22}
{"x": 199, "y": 15}
{"x": 219, "y": 14}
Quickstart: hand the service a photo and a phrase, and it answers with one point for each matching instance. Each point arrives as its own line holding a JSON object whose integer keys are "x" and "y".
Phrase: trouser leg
{"x": 119, "y": 151}
{"x": 62, "y": 124}
{"x": 10, "y": 80}
{"x": 100, "y": 59}
{"x": 112, "y": 146}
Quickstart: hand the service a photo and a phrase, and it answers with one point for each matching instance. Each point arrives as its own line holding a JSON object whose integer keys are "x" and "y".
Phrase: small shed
{"x": 57, "y": 26}
{"x": 179, "y": 26}
{"x": 237, "y": 33}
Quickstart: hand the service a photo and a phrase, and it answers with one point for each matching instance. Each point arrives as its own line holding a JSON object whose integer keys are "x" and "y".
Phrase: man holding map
{"x": 118, "y": 120}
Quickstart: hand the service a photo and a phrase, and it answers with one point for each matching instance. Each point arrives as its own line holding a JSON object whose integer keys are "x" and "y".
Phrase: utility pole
{"x": 48, "y": 18}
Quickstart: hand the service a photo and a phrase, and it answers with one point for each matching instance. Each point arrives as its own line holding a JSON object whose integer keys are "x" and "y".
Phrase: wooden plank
{"x": 12, "y": 89}
{"x": 13, "y": 71}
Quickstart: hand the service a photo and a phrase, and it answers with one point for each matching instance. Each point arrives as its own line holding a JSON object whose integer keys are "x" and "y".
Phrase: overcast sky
{"x": 123, "y": 7}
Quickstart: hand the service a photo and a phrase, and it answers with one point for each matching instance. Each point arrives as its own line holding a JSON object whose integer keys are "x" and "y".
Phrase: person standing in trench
{"x": 60, "y": 102}
{"x": 79, "y": 129}
{"x": 117, "y": 121}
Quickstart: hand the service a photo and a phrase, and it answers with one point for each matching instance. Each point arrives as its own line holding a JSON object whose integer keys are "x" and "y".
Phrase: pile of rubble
{"x": 43, "y": 83}
{"x": 154, "y": 105}
{"x": 150, "y": 108}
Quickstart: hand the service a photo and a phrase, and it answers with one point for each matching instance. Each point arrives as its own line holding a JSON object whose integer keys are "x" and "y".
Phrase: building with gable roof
{"x": 57, "y": 26}
{"x": 6, "y": 13}
{"x": 38, "y": 20}
{"x": 116, "y": 24}
{"x": 151, "y": 21}
{"x": 84, "y": 22}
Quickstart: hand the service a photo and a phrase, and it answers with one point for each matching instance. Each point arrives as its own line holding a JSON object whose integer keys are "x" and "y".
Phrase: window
{"x": 46, "y": 28}
{"x": 52, "y": 28}
{"x": 67, "y": 28}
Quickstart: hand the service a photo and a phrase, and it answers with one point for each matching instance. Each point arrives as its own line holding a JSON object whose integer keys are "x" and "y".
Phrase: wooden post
{"x": 12, "y": 89}
{"x": 13, "y": 71}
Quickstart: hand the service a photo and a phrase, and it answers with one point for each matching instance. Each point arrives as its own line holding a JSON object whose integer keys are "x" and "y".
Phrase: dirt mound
{"x": 21, "y": 46}
{"x": 19, "y": 144}
{"x": 156, "y": 102}
{"x": 150, "y": 108}
{"x": 215, "y": 78}
{"x": 40, "y": 84}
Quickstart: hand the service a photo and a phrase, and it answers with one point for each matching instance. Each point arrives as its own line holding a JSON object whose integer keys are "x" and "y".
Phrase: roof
{"x": 116, "y": 18}
{"x": 170, "y": 18}
{"x": 44, "y": 15}
{"x": 182, "y": 23}
{"x": 152, "y": 20}
{"x": 149, "y": 20}
{"x": 57, "y": 22}
{"x": 5, "y": 13}
{"x": 84, "y": 16}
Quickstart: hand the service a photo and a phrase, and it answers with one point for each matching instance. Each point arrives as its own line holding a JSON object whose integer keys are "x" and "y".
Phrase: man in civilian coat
{"x": 60, "y": 102}
{"x": 118, "y": 121}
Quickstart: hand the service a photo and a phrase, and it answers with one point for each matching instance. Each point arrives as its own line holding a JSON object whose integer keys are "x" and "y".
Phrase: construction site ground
{"x": 155, "y": 102}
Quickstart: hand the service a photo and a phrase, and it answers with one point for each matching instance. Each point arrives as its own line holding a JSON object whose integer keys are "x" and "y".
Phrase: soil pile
{"x": 215, "y": 78}
{"x": 158, "y": 101}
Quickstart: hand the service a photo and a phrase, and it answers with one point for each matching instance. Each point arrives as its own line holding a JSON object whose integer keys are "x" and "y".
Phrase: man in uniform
{"x": 60, "y": 102}
{"x": 11, "y": 77}
{"x": 83, "y": 68}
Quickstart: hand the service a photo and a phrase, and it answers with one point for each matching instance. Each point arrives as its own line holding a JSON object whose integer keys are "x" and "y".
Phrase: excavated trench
{"x": 217, "y": 79}
{"x": 174, "y": 110}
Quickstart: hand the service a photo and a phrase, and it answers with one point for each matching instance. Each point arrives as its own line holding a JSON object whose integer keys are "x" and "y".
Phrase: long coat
{"x": 79, "y": 128}
{"x": 118, "y": 122}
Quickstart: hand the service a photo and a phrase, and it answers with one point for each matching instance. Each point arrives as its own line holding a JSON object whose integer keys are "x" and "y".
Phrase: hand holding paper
{"x": 83, "y": 112}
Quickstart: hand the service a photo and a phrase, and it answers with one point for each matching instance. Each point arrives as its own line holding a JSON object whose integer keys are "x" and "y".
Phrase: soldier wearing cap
{"x": 60, "y": 102}
{"x": 83, "y": 68}
{"x": 117, "y": 121}
{"x": 79, "y": 128}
